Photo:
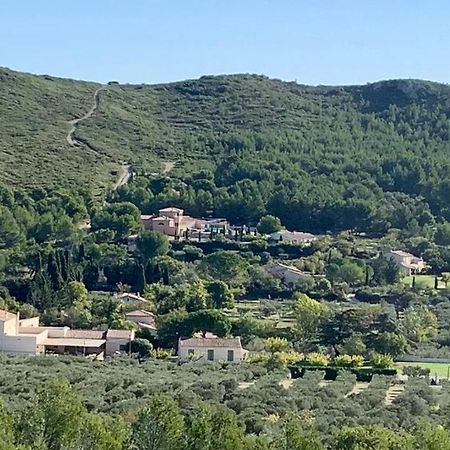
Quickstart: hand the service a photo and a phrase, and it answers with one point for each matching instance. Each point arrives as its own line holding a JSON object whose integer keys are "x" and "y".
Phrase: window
{"x": 230, "y": 355}
{"x": 210, "y": 355}
{"x": 190, "y": 352}
{"x": 123, "y": 348}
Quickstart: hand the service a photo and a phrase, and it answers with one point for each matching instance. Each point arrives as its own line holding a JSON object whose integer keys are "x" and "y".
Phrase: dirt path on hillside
{"x": 168, "y": 166}
{"x": 75, "y": 122}
{"x": 124, "y": 176}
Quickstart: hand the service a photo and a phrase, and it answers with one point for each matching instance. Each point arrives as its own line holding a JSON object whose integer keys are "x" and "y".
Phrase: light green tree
{"x": 159, "y": 426}
{"x": 309, "y": 314}
{"x": 419, "y": 324}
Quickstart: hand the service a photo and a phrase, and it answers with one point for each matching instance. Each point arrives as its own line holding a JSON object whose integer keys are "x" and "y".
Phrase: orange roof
{"x": 234, "y": 342}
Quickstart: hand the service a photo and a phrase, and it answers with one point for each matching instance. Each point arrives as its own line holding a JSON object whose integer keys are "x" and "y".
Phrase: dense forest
{"x": 321, "y": 158}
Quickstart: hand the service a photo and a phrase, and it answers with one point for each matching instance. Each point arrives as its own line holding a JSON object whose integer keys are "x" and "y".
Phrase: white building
{"x": 211, "y": 348}
{"x": 289, "y": 275}
{"x": 407, "y": 263}
{"x": 143, "y": 319}
{"x": 292, "y": 237}
{"x": 27, "y": 337}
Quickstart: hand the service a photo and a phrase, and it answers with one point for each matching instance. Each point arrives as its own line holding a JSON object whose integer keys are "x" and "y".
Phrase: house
{"x": 143, "y": 319}
{"x": 406, "y": 262}
{"x": 289, "y": 275}
{"x": 173, "y": 222}
{"x": 292, "y": 237}
{"x": 211, "y": 348}
{"x": 26, "y": 337}
{"x": 130, "y": 297}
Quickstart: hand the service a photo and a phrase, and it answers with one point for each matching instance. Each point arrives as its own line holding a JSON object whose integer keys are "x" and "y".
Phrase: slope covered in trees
{"x": 367, "y": 157}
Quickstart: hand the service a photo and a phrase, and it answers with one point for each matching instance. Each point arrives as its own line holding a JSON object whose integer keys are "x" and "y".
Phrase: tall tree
{"x": 159, "y": 425}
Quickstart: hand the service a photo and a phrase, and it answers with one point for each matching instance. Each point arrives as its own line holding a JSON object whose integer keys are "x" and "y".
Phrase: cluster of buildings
{"x": 26, "y": 337}
{"x": 173, "y": 222}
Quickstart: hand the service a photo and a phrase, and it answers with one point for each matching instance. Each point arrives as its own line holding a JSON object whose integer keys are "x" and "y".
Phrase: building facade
{"x": 210, "y": 349}
{"x": 292, "y": 237}
{"x": 173, "y": 222}
{"x": 406, "y": 262}
{"x": 26, "y": 337}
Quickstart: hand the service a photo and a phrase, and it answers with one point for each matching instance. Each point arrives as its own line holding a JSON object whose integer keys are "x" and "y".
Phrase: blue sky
{"x": 311, "y": 41}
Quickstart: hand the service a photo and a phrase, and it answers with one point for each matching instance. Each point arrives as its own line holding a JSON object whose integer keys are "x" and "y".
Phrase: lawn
{"x": 423, "y": 281}
{"x": 439, "y": 369}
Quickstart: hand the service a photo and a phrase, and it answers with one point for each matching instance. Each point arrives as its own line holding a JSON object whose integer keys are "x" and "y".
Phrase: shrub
{"x": 416, "y": 371}
{"x": 349, "y": 360}
{"x": 160, "y": 353}
{"x": 276, "y": 344}
{"x": 380, "y": 360}
{"x": 318, "y": 359}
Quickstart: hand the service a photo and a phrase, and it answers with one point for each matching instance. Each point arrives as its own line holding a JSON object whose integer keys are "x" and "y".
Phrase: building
{"x": 289, "y": 275}
{"x": 26, "y": 337}
{"x": 211, "y": 348}
{"x": 292, "y": 237}
{"x": 172, "y": 222}
{"x": 130, "y": 297}
{"x": 143, "y": 319}
{"x": 406, "y": 262}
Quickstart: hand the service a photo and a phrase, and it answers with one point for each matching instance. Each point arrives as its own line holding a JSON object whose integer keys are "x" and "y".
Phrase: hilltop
{"x": 200, "y": 122}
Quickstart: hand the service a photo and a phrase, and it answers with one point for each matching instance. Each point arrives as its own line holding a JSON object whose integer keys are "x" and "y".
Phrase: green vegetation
{"x": 161, "y": 405}
{"x": 439, "y": 369}
{"x": 364, "y": 167}
{"x": 319, "y": 158}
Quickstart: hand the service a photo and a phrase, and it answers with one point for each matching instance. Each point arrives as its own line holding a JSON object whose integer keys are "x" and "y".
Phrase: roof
{"x": 130, "y": 294}
{"x": 139, "y": 313}
{"x": 146, "y": 216}
{"x": 197, "y": 342}
{"x": 281, "y": 269}
{"x": 403, "y": 254}
{"x": 5, "y": 315}
{"x": 66, "y": 342}
{"x": 162, "y": 218}
{"x": 300, "y": 235}
{"x": 85, "y": 334}
{"x": 171, "y": 209}
{"x": 119, "y": 334}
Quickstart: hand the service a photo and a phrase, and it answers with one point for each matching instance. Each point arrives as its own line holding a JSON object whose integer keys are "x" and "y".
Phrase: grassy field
{"x": 439, "y": 369}
{"x": 423, "y": 281}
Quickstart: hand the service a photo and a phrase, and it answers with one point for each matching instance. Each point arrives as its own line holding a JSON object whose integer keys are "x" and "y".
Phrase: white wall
{"x": 31, "y": 322}
{"x": 201, "y": 354}
{"x": 18, "y": 345}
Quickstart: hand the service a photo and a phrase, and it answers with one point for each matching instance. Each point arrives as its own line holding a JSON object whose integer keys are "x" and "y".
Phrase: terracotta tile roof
{"x": 234, "y": 342}
{"x": 85, "y": 334}
{"x": 120, "y": 334}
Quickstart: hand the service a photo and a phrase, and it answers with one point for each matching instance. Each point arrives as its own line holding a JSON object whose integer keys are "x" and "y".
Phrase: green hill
{"x": 319, "y": 144}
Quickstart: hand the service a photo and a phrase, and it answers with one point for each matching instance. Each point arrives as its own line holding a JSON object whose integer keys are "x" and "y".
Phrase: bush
{"x": 318, "y": 359}
{"x": 349, "y": 361}
{"x": 383, "y": 361}
{"x": 416, "y": 371}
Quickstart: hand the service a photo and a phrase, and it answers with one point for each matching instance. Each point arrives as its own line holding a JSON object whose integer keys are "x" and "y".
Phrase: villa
{"x": 292, "y": 237}
{"x": 173, "y": 222}
{"x": 209, "y": 347}
{"x": 26, "y": 337}
{"x": 406, "y": 262}
{"x": 289, "y": 275}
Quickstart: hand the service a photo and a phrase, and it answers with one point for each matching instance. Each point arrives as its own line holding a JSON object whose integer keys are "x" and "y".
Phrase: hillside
{"x": 353, "y": 141}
